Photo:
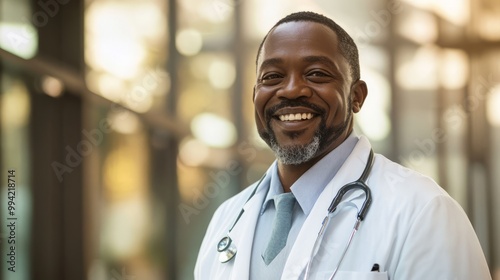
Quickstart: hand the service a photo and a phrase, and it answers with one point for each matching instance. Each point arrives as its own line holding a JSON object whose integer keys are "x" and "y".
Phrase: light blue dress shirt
{"x": 306, "y": 190}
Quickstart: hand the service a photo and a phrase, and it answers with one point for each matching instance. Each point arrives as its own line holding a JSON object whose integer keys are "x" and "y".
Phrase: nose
{"x": 295, "y": 87}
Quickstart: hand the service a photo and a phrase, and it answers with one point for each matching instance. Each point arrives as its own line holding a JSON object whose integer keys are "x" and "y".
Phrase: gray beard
{"x": 297, "y": 154}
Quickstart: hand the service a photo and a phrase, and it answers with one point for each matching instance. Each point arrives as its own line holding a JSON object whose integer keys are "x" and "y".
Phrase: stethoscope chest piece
{"x": 226, "y": 249}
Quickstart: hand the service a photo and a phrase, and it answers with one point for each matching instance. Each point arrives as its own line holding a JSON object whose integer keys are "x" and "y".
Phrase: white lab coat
{"x": 413, "y": 230}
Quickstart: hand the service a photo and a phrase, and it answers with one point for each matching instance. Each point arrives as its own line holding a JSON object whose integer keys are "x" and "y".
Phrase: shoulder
{"x": 224, "y": 217}
{"x": 413, "y": 202}
{"x": 221, "y": 221}
{"x": 406, "y": 194}
{"x": 396, "y": 179}
{"x": 417, "y": 217}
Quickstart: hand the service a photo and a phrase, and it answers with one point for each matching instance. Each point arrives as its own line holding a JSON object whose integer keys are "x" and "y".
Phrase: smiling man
{"x": 308, "y": 88}
{"x": 305, "y": 94}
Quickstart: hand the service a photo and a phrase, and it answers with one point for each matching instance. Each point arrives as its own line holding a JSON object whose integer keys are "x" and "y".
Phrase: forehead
{"x": 302, "y": 38}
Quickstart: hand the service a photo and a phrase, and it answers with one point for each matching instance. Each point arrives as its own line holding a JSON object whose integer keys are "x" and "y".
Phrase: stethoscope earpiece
{"x": 226, "y": 249}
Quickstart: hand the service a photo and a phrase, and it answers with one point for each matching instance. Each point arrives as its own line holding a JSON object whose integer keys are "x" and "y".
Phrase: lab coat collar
{"x": 243, "y": 233}
{"x": 350, "y": 171}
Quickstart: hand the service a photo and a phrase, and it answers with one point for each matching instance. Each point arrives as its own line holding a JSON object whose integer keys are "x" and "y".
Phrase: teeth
{"x": 298, "y": 116}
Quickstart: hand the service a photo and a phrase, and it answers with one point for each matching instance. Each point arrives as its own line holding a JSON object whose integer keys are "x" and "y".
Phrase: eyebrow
{"x": 321, "y": 59}
{"x": 310, "y": 59}
{"x": 270, "y": 62}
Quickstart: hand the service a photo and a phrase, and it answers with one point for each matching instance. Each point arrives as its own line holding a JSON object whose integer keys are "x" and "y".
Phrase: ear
{"x": 359, "y": 91}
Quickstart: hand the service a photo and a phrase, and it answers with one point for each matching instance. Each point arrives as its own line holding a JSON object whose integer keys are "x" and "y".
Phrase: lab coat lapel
{"x": 243, "y": 233}
{"x": 349, "y": 172}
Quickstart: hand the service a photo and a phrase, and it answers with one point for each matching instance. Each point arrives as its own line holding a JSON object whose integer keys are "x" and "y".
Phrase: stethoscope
{"x": 227, "y": 249}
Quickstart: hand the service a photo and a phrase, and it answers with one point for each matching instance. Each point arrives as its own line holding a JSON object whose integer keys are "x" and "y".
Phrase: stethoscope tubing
{"x": 227, "y": 249}
{"x": 358, "y": 184}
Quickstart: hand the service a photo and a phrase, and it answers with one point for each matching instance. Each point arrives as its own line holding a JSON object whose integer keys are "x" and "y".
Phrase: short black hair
{"x": 346, "y": 44}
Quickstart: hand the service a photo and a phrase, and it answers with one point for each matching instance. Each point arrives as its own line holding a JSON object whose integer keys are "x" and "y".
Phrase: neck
{"x": 288, "y": 174}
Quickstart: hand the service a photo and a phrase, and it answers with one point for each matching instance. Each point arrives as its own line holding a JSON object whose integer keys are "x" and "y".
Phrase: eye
{"x": 271, "y": 78}
{"x": 318, "y": 76}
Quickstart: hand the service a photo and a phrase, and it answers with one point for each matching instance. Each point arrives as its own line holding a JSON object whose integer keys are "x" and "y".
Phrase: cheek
{"x": 336, "y": 106}
{"x": 259, "y": 123}
{"x": 260, "y": 101}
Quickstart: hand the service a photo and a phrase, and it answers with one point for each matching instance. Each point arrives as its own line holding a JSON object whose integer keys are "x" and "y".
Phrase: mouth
{"x": 294, "y": 117}
{"x": 288, "y": 123}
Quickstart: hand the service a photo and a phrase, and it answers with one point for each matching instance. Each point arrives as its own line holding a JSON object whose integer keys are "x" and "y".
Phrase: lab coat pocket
{"x": 356, "y": 275}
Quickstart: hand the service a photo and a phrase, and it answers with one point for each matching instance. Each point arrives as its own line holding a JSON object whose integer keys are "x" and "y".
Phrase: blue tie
{"x": 281, "y": 226}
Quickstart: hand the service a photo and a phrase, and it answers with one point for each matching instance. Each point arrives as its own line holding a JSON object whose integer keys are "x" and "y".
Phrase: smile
{"x": 295, "y": 117}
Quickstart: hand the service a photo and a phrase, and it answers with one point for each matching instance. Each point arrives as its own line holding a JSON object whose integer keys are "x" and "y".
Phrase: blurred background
{"x": 128, "y": 122}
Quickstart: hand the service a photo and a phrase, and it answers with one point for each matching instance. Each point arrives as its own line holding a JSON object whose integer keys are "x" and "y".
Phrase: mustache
{"x": 293, "y": 103}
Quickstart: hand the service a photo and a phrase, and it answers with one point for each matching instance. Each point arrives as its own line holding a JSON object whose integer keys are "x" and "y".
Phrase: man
{"x": 308, "y": 88}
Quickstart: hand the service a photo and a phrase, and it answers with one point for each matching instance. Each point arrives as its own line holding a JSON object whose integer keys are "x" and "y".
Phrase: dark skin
{"x": 301, "y": 61}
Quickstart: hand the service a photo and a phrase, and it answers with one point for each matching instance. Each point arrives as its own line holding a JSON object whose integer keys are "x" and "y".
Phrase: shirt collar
{"x": 310, "y": 185}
